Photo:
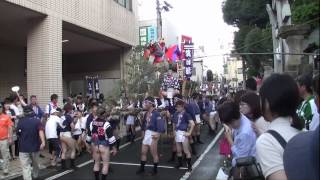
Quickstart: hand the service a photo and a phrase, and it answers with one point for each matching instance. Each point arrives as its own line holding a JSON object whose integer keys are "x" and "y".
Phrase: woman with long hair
{"x": 102, "y": 142}
{"x": 79, "y": 127}
{"x": 279, "y": 97}
{"x": 130, "y": 122}
{"x": 250, "y": 107}
{"x": 67, "y": 141}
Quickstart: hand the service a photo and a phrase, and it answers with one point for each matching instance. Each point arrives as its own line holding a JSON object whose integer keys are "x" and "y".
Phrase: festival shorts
{"x": 147, "y": 140}
{"x": 76, "y": 137}
{"x": 66, "y": 134}
{"x": 212, "y": 114}
{"x": 88, "y": 139}
{"x": 114, "y": 124}
{"x": 198, "y": 119}
{"x": 54, "y": 145}
{"x": 180, "y": 138}
{"x": 100, "y": 142}
{"x": 130, "y": 120}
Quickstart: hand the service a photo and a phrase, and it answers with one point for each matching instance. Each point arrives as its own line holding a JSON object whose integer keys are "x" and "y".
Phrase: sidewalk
{"x": 15, "y": 169}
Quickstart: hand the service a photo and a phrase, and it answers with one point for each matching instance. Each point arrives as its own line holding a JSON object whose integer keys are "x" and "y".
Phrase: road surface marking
{"x": 60, "y": 174}
{"x": 148, "y": 165}
{"x": 196, "y": 164}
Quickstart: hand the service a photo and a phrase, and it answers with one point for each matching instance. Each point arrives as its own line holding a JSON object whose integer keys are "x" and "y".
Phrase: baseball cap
{"x": 301, "y": 156}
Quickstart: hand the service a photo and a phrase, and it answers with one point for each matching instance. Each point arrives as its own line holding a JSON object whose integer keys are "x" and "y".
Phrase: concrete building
{"x": 197, "y": 71}
{"x": 198, "y": 65}
{"x": 49, "y": 46}
{"x": 233, "y": 71}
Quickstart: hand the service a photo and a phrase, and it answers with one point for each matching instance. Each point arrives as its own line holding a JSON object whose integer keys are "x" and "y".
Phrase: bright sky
{"x": 200, "y": 19}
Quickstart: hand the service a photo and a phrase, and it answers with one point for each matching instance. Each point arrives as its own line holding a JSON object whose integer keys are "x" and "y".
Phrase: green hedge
{"x": 304, "y": 11}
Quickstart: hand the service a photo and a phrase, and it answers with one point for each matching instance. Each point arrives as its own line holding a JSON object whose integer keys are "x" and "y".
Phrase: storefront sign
{"x": 146, "y": 34}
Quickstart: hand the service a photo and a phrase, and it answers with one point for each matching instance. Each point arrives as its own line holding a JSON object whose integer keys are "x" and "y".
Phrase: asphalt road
{"x": 124, "y": 165}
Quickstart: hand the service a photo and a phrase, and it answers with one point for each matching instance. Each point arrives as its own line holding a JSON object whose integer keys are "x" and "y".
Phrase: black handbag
{"x": 247, "y": 168}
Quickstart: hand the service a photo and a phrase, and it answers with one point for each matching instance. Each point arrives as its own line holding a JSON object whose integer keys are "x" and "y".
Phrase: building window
{"x": 239, "y": 70}
{"x": 125, "y": 3}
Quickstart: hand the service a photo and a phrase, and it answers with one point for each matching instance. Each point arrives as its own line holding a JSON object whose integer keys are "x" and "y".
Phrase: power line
{"x": 262, "y": 53}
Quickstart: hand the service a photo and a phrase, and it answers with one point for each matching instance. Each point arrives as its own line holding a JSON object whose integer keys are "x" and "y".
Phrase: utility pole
{"x": 159, "y": 20}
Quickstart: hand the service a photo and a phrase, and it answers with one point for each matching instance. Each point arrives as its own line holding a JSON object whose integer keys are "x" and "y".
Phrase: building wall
{"x": 102, "y": 16}
{"x": 197, "y": 72}
{"x": 234, "y": 71}
{"x": 12, "y": 69}
{"x": 44, "y": 44}
{"x": 105, "y": 65}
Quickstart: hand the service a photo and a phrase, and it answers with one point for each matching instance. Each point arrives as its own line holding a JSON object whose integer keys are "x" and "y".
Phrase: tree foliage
{"x": 252, "y": 19}
{"x": 141, "y": 77}
{"x": 245, "y": 12}
{"x": 256, "y": 62}
{"x": 306, "y": 10}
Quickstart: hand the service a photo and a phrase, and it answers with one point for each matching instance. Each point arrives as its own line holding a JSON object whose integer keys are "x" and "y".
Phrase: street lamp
{"x": 160, "y": 7}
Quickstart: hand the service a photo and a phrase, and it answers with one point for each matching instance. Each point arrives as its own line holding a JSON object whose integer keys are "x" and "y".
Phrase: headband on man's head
{"x": 150, "y": 100}
{"x": 178, "y": 97}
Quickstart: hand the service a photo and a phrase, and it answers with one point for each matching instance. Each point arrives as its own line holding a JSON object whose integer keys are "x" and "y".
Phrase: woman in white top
{"x": 130, "y": 127}
{"x": 279, "y": 99}
{"x": 250, "y": 107}
{"x": 79, "y": 127}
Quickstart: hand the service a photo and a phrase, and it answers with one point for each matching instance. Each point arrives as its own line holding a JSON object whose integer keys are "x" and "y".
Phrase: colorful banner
{"x": 188, "y": 54}
{"x": 173, "y": 53}
{"x": 90, "y": 87}
{"x": 96, "y": 88}
{"x": 184, "y": 40}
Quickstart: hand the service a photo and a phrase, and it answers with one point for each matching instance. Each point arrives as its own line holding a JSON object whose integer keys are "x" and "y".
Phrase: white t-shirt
{"x": 269, "y": 151}
{"x": 315, "y": 118}
{"x": 84, "y": 122}
{"x": 51, "y": 126}
{"x": 77, "y": 127}
{"x": 48, "y": 108}
{"x": 16, "y": 110}
{"x": 80, "y": 106}
{"x": 262, "y": 125}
